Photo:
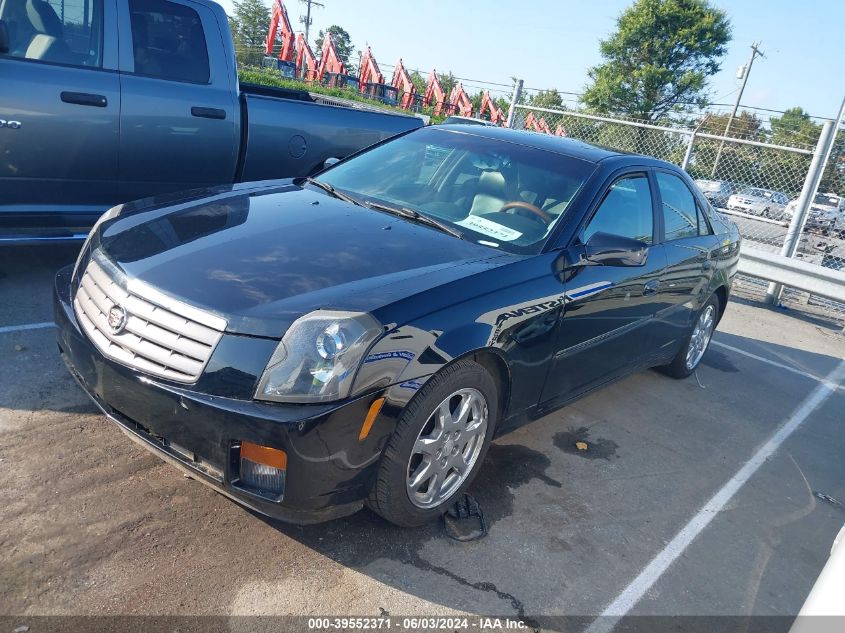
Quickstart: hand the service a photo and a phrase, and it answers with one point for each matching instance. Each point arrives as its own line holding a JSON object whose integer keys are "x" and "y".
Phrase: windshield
{"x": 496, "y": 193}
{"x": 826, "y": 200}
{"x": 758, "y": 193}
{"x": 708, "y": 185}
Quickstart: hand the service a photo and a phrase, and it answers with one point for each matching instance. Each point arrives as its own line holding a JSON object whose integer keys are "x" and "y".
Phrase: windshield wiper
{"x": 334, "y": 192}
{"x": 416, "y": 216}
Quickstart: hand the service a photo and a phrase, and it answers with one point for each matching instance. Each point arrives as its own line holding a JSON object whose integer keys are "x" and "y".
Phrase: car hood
{"x": 261, "y": 258}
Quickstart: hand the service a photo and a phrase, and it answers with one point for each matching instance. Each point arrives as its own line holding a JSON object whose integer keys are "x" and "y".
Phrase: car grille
{"x": 156, "y": 334}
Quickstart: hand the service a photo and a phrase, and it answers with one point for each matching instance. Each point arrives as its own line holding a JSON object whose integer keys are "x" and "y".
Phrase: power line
{"x": 306, "y": 19}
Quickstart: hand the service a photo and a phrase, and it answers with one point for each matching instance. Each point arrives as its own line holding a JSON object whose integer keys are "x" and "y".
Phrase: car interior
{"x": 498, "y": 190}
{"x": 53, "y": 32}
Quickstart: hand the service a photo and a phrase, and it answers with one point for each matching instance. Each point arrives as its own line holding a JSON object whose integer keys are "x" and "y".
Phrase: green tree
{"x": 659, "y": 58}
{"x": 448, "y": 81}
{"x": 738, "y": 163}
{"x": 342, "y": 42}
{"x": 794, "y": 127}
{"x": 249, "y": 24}
{"x": 419, "y": 82}
{"x": 745, "y": 125}
{"x": 547, "y": 99}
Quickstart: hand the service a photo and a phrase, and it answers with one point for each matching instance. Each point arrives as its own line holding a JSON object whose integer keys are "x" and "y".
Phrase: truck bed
{"x": 293, "y": 132}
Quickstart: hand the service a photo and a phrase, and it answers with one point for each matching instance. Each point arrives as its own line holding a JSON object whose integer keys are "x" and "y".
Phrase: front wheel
{"x": 688, "y": 358}
{"x": 437, "y": 447}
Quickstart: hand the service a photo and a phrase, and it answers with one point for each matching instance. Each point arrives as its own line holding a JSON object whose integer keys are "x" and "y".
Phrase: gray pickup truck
{"x": 103, "y": 101}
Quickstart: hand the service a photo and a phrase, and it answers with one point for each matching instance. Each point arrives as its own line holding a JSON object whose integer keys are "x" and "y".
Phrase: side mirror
{"x": 5, "y": 44}
{"x": 614, "y": 250}
{"x": 332, "y": 160}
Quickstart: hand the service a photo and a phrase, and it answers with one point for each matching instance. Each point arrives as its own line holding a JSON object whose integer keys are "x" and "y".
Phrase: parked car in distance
{"x": 114, "y": 101}
{"x": 716, "y": 191}
{"x": 312, "y": 345}
{"x": 756, "y": 201}
{"x": 826, "y": 213}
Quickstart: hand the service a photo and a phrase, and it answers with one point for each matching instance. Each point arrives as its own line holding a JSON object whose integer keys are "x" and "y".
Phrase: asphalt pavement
{"x": 718, "y": 495}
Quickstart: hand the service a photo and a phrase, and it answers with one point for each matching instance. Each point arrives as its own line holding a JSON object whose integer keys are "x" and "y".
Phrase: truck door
{"x": 59, "y": 107}
{"x": 180, "y": 123}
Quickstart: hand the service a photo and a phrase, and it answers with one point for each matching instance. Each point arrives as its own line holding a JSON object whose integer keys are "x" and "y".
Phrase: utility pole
{"x": 755, "y": 51}
{"x": 306, "y": 19}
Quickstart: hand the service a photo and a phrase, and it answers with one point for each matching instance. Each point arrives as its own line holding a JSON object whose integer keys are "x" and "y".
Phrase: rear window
{"x": 168, "y": 41}
{"x": 831, "y": 201}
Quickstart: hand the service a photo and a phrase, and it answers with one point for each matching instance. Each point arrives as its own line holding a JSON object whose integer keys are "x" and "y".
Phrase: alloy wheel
{"x": 701, "y": 335}
{"x": 447, "y": 448}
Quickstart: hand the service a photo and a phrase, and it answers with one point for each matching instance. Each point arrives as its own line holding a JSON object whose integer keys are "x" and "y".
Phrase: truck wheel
{"x": 437, "y": 448}
{"x": 687, "y": 359}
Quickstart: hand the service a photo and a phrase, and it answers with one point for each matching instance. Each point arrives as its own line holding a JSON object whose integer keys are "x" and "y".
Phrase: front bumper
{"x": 329, "y": 470}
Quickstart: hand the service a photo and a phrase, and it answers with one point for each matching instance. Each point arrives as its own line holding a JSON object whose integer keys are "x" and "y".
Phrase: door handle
{"x": 208, "y": 113}
{"x": 650, "y": 287}
{"x": 85, "y": 99}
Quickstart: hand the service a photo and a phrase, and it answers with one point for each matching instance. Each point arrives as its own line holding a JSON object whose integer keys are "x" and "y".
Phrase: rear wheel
{"x": 688, "y": 358}
{"x": 437, "y": 447}
{"x": 765, "y": 213}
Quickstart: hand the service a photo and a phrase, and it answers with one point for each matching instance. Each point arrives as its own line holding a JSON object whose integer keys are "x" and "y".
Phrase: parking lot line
{"x": 26, "y": 326}
{"x": 629, "y": 597}
{"x": 767, "y": 360}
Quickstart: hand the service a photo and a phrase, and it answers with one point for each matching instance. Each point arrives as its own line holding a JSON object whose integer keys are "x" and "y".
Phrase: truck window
{"x": 168, "y": 41}
{"x": 58, "y": 32}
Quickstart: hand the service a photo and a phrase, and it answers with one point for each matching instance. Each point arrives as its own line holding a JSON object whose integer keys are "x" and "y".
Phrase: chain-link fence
{"x": 755, "y": 181}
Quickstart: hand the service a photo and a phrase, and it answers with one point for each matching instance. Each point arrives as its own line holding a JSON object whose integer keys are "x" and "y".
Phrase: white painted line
{"x": 629, "y": 597}
{"x": 26, "y": 326}
{"x": 763, "y": 359}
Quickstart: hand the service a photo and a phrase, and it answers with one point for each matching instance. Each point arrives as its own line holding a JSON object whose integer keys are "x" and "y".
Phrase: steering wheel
{"x": 519, "y": 204}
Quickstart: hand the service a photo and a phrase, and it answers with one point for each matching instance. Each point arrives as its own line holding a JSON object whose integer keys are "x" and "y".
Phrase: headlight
{"x": 108, "y": 215}
{"x": 318, "y": 357}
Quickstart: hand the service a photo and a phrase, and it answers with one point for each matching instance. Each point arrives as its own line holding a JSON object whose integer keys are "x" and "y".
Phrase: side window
{"x": 168, "y": 41}
{"x": 625, "y": 211}
{"x": 56, "y": 31}
{"x": 681, "y": 217}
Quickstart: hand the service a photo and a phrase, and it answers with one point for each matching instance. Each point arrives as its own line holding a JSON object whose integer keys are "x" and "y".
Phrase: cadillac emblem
{"x": 117, "y": 318}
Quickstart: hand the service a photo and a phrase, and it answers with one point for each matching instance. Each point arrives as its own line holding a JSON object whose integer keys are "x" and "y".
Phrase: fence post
{"x": 799, "y": 217}
{"x": 517, "y": 93}
{"x": 688, "y": 154}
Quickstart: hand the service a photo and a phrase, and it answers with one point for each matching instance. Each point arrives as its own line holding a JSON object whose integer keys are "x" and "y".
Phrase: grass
{"x": 268, "y": 77}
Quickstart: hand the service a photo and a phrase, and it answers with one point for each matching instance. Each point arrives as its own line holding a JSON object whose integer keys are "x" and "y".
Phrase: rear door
{"x": 691, "y": 253}
{"x": 180, "y": 121}
{"x": 608, "y": 318}
{"x": 60, "y": 99}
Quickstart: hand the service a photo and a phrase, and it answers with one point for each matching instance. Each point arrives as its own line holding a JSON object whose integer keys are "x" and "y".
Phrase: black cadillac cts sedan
{"x": 309, "y": 346}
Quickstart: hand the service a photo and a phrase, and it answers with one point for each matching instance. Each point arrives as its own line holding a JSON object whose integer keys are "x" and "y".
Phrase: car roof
{"x": 559, "y": 144}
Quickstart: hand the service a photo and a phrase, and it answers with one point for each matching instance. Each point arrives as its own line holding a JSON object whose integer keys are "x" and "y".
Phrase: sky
{"x": 553, "y": 43}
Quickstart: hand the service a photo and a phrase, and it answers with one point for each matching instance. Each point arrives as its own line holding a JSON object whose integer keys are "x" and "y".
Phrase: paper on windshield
{"x": 487, "y": 227}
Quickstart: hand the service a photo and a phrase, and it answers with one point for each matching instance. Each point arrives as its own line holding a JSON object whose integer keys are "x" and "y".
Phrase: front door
{"x": 608, "y": 319}
{"x": 60, "y": 107}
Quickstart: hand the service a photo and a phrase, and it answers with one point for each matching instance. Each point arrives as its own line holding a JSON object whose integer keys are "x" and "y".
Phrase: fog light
{"x": 262, "y": 469}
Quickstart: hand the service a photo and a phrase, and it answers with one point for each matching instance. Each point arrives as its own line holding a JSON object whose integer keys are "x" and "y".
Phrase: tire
{"x": 464, "y": 382}
{"x": 765, "y": 213}
{"x": 686, "y": 361}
